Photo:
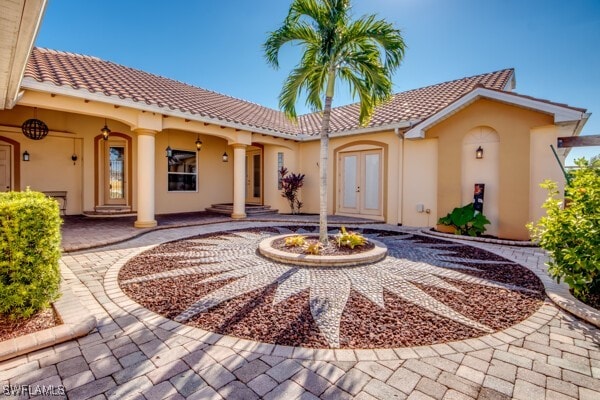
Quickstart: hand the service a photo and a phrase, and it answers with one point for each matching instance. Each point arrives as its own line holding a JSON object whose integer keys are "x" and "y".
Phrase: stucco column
{"x": 145, "y": 178}
{"x": 239, "y": 181}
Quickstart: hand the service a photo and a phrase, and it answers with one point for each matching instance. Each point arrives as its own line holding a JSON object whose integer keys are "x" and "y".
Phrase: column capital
{"x": 146, "y": 132}
{"x": 239, "y": 146}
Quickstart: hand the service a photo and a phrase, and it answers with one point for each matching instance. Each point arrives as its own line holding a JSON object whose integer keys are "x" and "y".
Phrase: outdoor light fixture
{"x": 105, "y": 131}
{"x": 74, "y": 155}
{"x": 169, "y": 152}
{"x": 198, "y": 144}
{"x": 479, "y": 153}
{"x": 34, "y": 128}
{"x": 225, "y": 157}
{"x": 25, "y": 156}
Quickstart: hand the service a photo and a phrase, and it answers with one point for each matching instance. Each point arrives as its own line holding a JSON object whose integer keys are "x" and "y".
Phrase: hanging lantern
{"x": 34, "y": 128}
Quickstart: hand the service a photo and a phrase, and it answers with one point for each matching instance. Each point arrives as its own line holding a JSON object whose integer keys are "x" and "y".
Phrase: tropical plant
{"x": 295, "y": 241}
{"x": 350, "y": 239}
{"x": 571, "y": 233}
{"x": 29, "y": 253}
{"x": 363, "y": 53}
{"x": 314, "y": 248}
{"x": 290, "y": 184}
{"x": 465, "y": 221}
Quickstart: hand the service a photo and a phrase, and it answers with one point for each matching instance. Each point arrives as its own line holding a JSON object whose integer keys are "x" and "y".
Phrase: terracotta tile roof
{"x": 98, "y": 76}
{"x": 412, "y": 105}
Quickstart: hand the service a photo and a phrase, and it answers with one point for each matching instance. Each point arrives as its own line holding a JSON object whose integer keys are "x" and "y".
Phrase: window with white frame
{"x": 183, "y": 171}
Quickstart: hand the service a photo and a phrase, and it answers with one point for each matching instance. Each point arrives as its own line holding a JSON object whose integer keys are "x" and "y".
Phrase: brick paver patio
{"x": 133, "y": 353}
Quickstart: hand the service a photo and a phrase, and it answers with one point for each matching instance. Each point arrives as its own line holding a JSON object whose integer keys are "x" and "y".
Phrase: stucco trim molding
{"x": 561, "y": 114}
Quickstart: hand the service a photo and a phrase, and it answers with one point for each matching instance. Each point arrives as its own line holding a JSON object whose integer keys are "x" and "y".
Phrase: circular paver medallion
{"x": 425, "y": 291}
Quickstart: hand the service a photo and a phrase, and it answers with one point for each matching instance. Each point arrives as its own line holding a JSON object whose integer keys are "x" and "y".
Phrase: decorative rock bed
{"x": 425, "y": 291}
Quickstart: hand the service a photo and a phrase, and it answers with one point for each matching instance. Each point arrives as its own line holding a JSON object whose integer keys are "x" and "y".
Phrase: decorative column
{"x": 239, "y": 181}
{"x": 145, "y": 178}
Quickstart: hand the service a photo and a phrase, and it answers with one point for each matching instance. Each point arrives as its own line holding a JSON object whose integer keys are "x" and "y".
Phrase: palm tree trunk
{"x": 324, "y": 157}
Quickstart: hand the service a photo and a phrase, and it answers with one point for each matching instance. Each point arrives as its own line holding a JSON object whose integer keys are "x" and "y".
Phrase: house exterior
{"x": 414, "y": 162}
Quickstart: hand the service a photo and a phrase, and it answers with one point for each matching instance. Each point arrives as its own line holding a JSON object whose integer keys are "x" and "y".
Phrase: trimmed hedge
{"x": 29, "y": 252}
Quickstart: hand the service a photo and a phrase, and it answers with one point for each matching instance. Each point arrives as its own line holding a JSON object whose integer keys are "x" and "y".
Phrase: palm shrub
{"x": 29, "y": 252}
{"x": 290, "y": 184}
{"x": 571, "y": 233}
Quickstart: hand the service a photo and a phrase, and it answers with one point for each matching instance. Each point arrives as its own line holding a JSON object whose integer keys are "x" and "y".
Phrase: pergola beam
{"x": 578, "y": 141}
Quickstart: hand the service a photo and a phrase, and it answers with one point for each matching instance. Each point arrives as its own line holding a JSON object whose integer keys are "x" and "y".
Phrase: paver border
{"x": 266, "y": 249}
{"x": 534, "y": 322}
{"x": 77, "y": 322}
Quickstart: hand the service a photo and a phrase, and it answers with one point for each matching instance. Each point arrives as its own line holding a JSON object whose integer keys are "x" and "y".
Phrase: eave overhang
{"x": 50, "y": 88}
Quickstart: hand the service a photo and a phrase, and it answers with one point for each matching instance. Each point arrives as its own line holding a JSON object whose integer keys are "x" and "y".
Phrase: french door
{"x": 360, "y": 186}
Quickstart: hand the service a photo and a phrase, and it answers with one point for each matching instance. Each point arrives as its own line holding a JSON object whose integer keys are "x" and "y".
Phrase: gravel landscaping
{"x": 426, "y": 291}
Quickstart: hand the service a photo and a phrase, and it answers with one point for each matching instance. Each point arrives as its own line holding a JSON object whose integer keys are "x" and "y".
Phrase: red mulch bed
{"x": 44, "y": 319}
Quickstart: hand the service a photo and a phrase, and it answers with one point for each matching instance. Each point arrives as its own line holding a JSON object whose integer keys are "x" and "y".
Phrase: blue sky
{"x": 554, "y": 45}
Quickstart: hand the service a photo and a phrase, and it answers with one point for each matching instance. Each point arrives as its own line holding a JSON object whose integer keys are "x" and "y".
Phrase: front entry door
{"x": 361, "y": 187}
{"x": 5, "y": 167}
{"x": 254, "y": 177}
{"x": 115, "y": 171}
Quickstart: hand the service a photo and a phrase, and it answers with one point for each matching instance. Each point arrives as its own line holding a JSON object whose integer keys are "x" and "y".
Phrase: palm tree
{"x": 363, "y": 53}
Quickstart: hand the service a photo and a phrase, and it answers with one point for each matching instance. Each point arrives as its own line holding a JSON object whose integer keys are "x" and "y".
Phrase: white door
{"x": 254, "y": 177}
{"x": 361, "y": 191}
{"x": 5, "y": 167}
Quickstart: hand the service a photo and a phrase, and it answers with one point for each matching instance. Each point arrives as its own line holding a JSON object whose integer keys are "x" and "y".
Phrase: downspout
{"x": 401, "y": 185}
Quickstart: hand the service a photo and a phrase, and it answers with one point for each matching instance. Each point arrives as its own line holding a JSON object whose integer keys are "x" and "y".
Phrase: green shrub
{"x": 465, "y": 221}
{"x": 571, "y": 234}
{"x": 29, "y": 252}
{"x": 350, "y": 239}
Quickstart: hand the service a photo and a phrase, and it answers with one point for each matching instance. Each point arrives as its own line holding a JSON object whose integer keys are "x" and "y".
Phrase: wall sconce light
{"x": 479, "y": 153}
{"x": 225, "y": 157}
{"x": 169, "y": 152}
{"x": 25, "y": 156}
{"x": 198, "y": 144}
{"x": 105, "y": 131}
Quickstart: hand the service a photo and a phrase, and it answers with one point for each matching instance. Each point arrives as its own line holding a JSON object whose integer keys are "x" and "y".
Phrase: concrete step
{"x": 251, "y": 209}
{"x": 110, "y": 211}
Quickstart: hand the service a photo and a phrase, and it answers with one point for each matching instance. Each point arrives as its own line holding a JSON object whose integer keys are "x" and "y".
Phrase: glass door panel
{"x": 115, "y": 172}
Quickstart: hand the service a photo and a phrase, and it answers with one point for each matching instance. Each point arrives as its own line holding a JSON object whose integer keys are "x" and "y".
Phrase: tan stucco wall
{"x": 214, "y": 180}
{"x": 420, "y": 182}
{"x": 51, "y": 167}
{"x": 544, "y": 166}
{"x": 513, "y": 126}
{"x": 272, "y": 194}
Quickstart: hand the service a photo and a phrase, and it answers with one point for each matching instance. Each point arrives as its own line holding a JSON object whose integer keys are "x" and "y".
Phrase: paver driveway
{"x": 136, "y": 354}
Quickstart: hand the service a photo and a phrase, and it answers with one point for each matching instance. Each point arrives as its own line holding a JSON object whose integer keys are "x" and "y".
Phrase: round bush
{"x": 29, "y": 252}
